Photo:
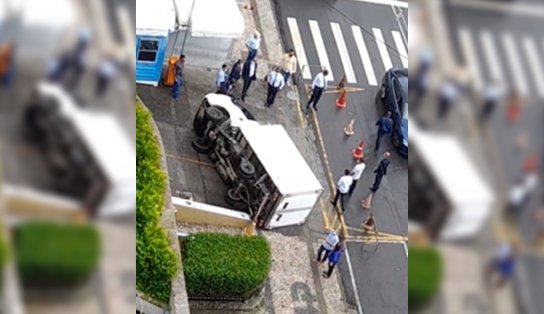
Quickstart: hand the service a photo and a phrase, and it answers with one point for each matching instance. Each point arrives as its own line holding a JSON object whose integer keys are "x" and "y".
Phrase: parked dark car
{"x": 394, "y": 96}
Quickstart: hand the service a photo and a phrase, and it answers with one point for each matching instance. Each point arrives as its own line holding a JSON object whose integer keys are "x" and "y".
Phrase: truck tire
{"x": 201, "y": 146}
{"x": 247, "y": 170}
{"x": 214, "y": 114}
{"x": 213, "y": 157}
{"x": 232, "y": 198}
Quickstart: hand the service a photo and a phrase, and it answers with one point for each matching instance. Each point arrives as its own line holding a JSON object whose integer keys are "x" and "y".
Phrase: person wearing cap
{"x": 381, "y": 171}
{"x": 289, "y": 65}
{"x": 253, "y": 43}
{"x": 275, "y": 83}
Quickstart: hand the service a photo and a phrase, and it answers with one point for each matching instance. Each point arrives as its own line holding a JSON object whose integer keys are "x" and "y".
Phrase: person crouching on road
{"x": 327, "y": 246}
{"x": 334, "y": 258}
{"x": 275, "y": 83}
{"x": 342, "y": 189}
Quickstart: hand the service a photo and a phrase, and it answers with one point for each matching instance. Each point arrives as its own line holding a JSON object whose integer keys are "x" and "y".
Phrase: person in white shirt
{"x": 342, "y": 188}
{"x": 253, "y": 43}
{"x": 221, "y": 80}
{"x": 327, "y": 245}
{"x": 318, "y": 86}
{"x": 289, "y": 65}
{"x": 275, "y": 83}
{"x": 249, "y": 74}
{"x": 356, "y": 174}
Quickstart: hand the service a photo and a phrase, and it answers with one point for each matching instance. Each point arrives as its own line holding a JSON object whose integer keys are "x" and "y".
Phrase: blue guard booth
{"x": 155, "y": 20}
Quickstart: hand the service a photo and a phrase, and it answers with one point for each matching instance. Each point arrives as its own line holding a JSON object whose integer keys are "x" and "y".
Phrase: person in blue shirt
{"x": 334, "y": 258}
{"x": 253, "y": 43}
{"x": 221, "y": 80}
{"x": 385, "y": 127}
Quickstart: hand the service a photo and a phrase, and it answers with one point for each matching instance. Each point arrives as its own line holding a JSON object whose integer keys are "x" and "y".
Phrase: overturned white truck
{"x": 265, "y": 173}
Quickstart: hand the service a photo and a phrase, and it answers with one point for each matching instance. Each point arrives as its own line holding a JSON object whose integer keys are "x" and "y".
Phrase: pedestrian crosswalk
{"x": 350, "y": 50}
{"x": 511, "y": 59}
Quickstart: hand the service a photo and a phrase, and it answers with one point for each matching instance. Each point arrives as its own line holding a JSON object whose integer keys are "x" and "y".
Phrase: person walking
{"x": 221, "y": 80}
{"x": 327, "y": 245}
{"x": 178, "y": 76}
{"x": 253, "y": 43}
{"x": 381, "y": 171}
{"x": 334, "y": 258}
{"x": 385, "y": 127}
{"x": 275, "y": 83}
{"x": 447, "y": 96}
{"x": 502, "y": 265}
{"x": 105, "y": 74}
{"x": 318, "y": 86}
{"x": 342, "y": 189}
{"x": 289, "y": 65}
{"x": 249, "y": 74}
{"x": 421, "y": 79}
{"x": 356, "y": 174}
{"x": 491, "y": 97}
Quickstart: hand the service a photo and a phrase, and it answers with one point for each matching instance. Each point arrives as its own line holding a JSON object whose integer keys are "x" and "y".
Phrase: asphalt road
{"x": 380, "y": 272}
{"x": 523, "y": 29}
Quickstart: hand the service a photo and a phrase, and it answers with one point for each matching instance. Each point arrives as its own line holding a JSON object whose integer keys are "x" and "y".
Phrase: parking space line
{"x": 320, "y": 47}
{"x": 469, "y": 54}
{"x": 299, "y": 48}
{"x": 531, "y": 53}
{"x": 515, "y": 64}
{"x": 399, "y": 42}
{"x": 382, "y": 48}
{"x": 343, "y": 52}
{"x": 363, "y": 53}
{"x": 491, "y": 56}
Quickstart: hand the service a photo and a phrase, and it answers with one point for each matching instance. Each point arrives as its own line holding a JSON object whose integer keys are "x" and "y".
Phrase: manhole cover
{"x": 291, "y": 95}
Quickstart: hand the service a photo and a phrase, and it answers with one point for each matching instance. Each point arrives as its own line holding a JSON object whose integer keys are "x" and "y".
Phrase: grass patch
{"x": 225, "y": 266}
{"x": 424, "y": 276}
{"x": 156, "y": 263}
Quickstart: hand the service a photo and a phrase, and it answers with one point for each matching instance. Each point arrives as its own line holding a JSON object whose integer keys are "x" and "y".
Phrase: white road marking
{"x": 395, "y": 3}
{"x": 299, "y": 48}
{"x": 320, "y": 48}
{"x": 352, "y": 277}
{"x": 536, "y": 66}
{"x": 382, "y": 48}
{"x": 515, "y": 64}
{"x": 510, "y": 8}
{"x": 343, "y": 51}
{"x": 365, "y": 58}
{"x": 469, "y": 54}
{"x": 399, "y": 42}
{"x": 491, "y": 56}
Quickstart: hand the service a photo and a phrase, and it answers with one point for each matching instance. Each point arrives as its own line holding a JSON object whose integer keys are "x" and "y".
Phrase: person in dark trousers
{"x": 236, "y": 71}
{"x": 318, "y": 86}
{"x": 327, "y": 246}
{"x": 249, "y": 74}
{"x": 385, "y": 127}
{"x": 447, "y": 96}
{"x": 356, "y": 173}
{"x": 491, "y": 96}
{"x": 106, "y": 72}
{"x": 221, "y": 80}
{"x": 381, "y": 171}
{"x": 275, "y": 83}
{"x": 502, "y": 266}
{"x": 178, "y": 81}
{"x": 420, "y": 79}
{"x": 342, "y": 189}
{"x": 253, "y": 43}
{"x": 334, "y": 258}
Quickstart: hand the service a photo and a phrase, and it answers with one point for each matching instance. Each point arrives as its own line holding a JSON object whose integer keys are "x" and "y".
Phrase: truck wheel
{"x": 201, "y": 146}
{"x": 232, "y": 198}
{"x": 214, "y": 114}
{"x": 247, "y": 170}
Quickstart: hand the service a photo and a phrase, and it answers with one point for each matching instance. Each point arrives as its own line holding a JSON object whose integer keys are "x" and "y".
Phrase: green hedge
{"x": 56, "y": 254}
{"x": 424, "y": 275}
{"x": 4, "y": 251}
{"x": 156, "y": 263}
{"x": 220, "y": 265}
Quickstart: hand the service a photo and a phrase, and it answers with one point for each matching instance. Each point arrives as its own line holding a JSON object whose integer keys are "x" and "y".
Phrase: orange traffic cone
{"x": 513, "y": 113}
{"x": 341, "y": 101}
{"x": 358, "y": 151}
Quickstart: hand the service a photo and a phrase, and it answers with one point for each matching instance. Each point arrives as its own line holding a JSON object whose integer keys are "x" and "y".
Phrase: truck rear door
{"x": 293, "y": 210}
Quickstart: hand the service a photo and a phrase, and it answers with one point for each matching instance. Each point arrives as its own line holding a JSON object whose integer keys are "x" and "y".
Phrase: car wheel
{"x": 201, "y": 146}
{"x": 214, "y": 114}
